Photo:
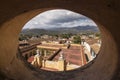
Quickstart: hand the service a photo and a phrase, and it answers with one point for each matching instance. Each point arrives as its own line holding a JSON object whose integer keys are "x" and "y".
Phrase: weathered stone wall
{"x": 15, "y": 13}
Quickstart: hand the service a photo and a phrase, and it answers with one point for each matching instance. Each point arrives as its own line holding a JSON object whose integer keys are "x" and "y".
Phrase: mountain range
{"x": 74, "y": 30}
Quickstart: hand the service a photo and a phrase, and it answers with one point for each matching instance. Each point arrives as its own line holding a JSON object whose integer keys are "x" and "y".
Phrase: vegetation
{"x": 98, "y": 35}
{"x": 59, "y": 33}
{"x": 66, "y": 36}
{"x": 22, "y": 37}
{"x": 77, "y": 40}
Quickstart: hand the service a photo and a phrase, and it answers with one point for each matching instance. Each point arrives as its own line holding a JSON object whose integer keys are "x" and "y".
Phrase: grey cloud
{"x": 58, "y": 18}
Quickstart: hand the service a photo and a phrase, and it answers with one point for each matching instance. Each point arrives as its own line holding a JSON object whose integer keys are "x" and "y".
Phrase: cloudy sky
{"x": 58, "y": 18}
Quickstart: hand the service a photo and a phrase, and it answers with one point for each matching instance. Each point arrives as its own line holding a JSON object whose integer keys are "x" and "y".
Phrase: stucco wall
{"x": 15, "y": 13}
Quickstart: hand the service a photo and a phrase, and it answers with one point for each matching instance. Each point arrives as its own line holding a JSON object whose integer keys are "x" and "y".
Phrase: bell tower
{"x": 37, "y": 62}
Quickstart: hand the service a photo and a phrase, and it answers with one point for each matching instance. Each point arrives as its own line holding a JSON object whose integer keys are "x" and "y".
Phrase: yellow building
{"x": 59, "y": 65}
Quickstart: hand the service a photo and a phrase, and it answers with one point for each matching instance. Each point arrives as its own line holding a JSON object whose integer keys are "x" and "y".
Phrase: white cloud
{"x": 58, "y": 18}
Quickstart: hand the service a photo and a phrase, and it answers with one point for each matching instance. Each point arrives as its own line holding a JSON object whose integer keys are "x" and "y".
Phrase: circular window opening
{"x": 59, "y": 40}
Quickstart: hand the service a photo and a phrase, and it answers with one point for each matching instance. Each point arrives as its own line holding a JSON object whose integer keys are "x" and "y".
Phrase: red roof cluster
{"x": 73, "y": 55}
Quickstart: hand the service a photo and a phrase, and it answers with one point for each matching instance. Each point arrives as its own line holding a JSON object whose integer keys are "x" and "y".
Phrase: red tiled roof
{"x": 91, "y": 41}
{"x": 30, "y": 59}
{"x": 73, "y": 55}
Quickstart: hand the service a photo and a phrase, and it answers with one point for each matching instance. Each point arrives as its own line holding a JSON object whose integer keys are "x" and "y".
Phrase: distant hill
{"x": 77, "y": 29}
{"x": 37, "y": 31}
{"x": 33, "y": 31}
{"x": 74, "y": 30}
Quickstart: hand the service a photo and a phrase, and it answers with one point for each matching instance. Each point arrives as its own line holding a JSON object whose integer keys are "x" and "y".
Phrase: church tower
{"x": 37, "y": 62}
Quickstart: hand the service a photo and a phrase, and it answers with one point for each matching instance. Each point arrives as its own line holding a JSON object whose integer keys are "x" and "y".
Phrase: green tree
{"x": 77, "y": 40}
{"x": 22, "y": 37}
{"x": 98, "y": 35}
{"x": 67, "y": 35}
